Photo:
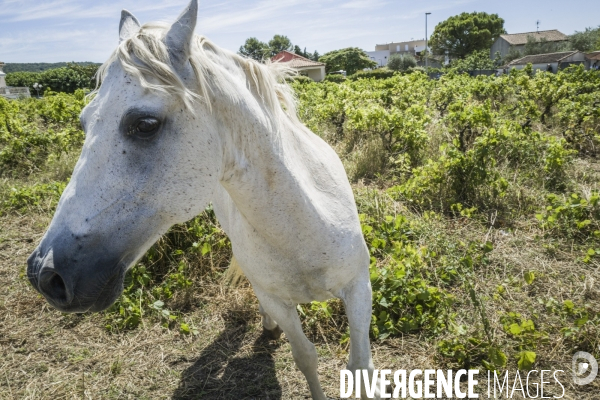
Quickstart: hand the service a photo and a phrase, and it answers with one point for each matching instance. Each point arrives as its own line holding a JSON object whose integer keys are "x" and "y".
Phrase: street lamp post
{"x": 37, "y": 87}
{"x": 426, "y": 64}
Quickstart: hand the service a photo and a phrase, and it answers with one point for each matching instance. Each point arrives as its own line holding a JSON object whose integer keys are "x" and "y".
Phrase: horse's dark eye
{"x": 144, "y": 128}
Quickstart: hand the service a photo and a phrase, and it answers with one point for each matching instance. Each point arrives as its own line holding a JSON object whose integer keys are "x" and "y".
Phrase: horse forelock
{"x": 146, "y": 56}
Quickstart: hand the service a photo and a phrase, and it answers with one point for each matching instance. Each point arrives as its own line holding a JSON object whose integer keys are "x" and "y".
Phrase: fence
{"x": 14, "y": 92}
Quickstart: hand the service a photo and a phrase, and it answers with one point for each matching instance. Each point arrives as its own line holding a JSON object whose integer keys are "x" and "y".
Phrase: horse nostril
{"x": 53, "y": 286}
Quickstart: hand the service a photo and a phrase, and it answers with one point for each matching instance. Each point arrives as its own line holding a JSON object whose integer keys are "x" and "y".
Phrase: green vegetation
{"x": 477, "y": 60}
{"x": 350, "y": 59}
{"x": 335, "y": 78}
{"x": 41, "y": 67}
{"x": 401, "y": 62}
{"x": 587, "y": 40}
{"x": 464, "y": 149}
{"x": 461, "y": 35}
{"x": 379, "y": 73}
{"x": 257, "y": 50}
{"x": 467, "y": 189}
{"x": 65, "y": 79}
{"x": 34, "y": 133}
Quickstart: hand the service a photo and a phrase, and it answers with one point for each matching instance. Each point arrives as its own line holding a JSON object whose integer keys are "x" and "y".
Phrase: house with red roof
{"x": 313, "y": 69}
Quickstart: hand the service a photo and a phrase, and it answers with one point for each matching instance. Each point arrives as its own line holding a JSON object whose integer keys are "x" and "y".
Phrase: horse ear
{"x": 128, "y": 26}
{"x": 180, "y": 35}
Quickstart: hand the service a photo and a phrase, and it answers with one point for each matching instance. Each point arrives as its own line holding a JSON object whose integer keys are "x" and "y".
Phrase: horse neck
{"x": 256, "y": 164}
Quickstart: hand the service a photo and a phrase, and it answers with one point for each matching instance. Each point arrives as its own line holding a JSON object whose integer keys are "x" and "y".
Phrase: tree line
{"x": 257, "y": 50}
{"x": 41, "y": 67}
{"x": 350, "y": 59}
{"x": 64, "y": 79}
{"x": 467, "y": 38}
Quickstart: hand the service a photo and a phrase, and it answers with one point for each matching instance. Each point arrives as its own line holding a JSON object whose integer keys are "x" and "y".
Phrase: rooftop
{"x": 405, "y": 41}
{"x": 516, "y": 39}
{"x": 594, "y": 55}
{"x": 294, "y": 60}
{"x": 543, "y": 58}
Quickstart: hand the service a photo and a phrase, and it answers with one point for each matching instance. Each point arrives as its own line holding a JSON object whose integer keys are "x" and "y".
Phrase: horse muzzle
{"x": 77, "y": 283}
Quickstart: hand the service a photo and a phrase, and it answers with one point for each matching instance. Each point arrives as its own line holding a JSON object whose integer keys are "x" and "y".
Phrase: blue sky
{"x": 86, "y": 30}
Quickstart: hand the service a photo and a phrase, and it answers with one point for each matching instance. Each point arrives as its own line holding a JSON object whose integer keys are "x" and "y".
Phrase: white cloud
{"x": 36, "y": 30}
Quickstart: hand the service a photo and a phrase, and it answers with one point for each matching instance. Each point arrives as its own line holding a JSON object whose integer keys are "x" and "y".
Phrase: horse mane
{"x": 145, "y": 56}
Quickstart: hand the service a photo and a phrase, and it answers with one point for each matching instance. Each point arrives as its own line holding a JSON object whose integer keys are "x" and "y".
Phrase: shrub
{"x": 24, "y": 145}
{"x": 401, "y": 62}
{"x": 337, "y": 78}
{"x": 43, "y": 197}
{"x": 299, "y": 79}
{"x": 66, "y": 79}
{"x": 380, "y": 73}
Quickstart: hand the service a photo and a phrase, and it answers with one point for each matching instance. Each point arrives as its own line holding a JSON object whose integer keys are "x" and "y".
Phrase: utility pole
{"x": 426, "y": 55}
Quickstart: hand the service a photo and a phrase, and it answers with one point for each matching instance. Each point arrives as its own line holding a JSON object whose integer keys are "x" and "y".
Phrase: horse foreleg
{"x": 357, "y": 301}
{"x": 304, "y": 352}
{"x": 270, "y": 327}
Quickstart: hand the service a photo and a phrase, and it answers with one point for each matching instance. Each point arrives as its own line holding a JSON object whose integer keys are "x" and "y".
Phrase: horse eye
{"x": 144, "y": 128}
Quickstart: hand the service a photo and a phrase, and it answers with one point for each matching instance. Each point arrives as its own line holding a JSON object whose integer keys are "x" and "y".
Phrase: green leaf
{"x": 497, "y": 357}
{"x": 515, "y": 329}
{"x": 205, "y": 248}
{"x": 529, "y": 277}
{"x": 583, "y": 224}
{"x": 581, "y": 321}
{"x": 488, "y": 247}
{"x": 184, "y": 328}
{"x": 158, "y": 304}
{"x": 528, "y": 326}
{"x": 526, "y": 359}
{"x": 539, "y": 217}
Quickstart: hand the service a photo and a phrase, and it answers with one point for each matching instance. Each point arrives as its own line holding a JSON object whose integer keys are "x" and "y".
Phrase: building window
{"x": 398, "y": 47}
{"x": 405, "y": 47}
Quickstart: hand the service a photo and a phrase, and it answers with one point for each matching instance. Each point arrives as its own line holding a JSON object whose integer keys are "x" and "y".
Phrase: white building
{"x": 383, "y": 52}
{"x": 381, "y": 57}
{"x": 2, "y": 76}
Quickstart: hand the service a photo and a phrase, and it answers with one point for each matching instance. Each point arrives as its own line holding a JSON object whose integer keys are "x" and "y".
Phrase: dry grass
{"x": 49, "y": 355}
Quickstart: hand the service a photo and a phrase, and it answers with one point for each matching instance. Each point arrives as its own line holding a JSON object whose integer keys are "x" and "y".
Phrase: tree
{"x": 543, "y": 46}
{"x": 66, "y": 79}
{"x": 586, "y": 41}
{"x": 279, "y": 43}
{"x": 41, "y": 67}
{"x": 475, "y": 61}
{"x": 257, "y": 50}
{"x": 350, "y": 59}
{"x": 254, "y": 48}
{"x": 23, "y": 79}
{"x": 463, "y": 34}
{"x": 401, "y": 62}
{"x": 303, "y": 53}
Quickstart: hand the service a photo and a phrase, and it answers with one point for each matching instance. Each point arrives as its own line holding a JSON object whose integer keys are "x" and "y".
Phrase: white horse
{"x": 178, "y": 123}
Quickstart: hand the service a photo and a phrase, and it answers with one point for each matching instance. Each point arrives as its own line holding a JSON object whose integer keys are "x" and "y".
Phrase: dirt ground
{"x": 50, "y": 355}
